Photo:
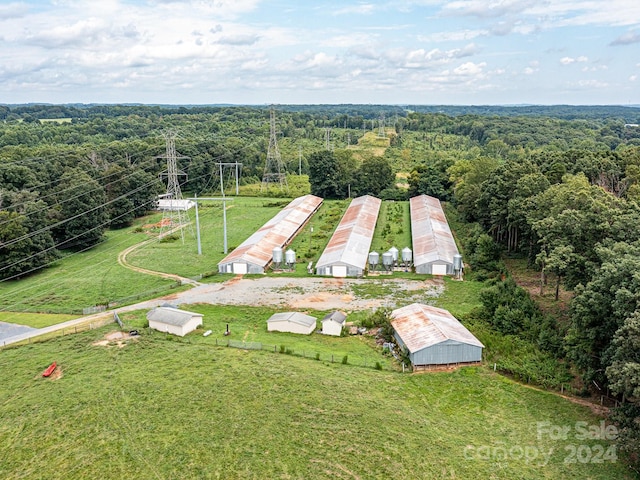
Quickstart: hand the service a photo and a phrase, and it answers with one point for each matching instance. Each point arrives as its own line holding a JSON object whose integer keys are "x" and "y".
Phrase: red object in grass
{"x": 49, "y": 370}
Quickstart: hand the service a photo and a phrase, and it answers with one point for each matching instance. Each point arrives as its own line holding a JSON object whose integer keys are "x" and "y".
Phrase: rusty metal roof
{"x": 277, "y": 232}
{"x": 420, "y": 326}
{"x": 430, "y": 232}
{"x": 351, "y": 241}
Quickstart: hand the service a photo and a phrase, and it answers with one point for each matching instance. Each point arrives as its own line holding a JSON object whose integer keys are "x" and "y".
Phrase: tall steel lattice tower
{"x": 381, "y": 132}
{"x": 274, "y": 168}
{"x": 175, "y": 214}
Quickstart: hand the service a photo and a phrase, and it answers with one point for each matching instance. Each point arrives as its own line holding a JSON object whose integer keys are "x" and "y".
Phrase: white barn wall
{"x": 290, "y": 327}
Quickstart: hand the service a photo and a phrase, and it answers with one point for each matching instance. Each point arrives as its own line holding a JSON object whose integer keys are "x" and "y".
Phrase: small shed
{"x": 173, "y": 320}
{"x": 292, "y": 322}
{"x": 434, "y": 337}
{"x": 333, "y": 323}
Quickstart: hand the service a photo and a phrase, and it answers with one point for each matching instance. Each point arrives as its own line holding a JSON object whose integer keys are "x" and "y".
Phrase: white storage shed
{"x": 333, "y": 323}
{"x": 173, "y": 320}
{"x": 291, "y": 322}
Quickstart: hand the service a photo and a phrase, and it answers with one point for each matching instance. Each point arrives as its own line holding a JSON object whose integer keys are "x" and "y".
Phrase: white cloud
{"x": 570, "y": 60}
{"x": 348, "y": 40}
{"x": 470, "y": 69}
{"x": 238, "y": 39}
{"x": 453, "y": 36}
{"x": 592, "y": 84}
{"x": 627, "y": 39}
{"x": 360, "y": 9}
{"x": 486, "y": 9}
{"x": 13, "y": 10}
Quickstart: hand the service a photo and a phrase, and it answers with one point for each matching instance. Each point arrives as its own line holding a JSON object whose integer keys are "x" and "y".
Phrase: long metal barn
{"x": 347, "y": 252}
{"x": 256, "y": 253}
{"x": 433, "y": 244}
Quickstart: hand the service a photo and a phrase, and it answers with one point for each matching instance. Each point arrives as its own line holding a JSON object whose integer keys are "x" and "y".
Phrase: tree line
{"x": 561, "y": 191}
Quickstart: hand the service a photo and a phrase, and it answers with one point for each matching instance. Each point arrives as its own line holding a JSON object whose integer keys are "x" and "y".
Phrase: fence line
{"x": 341, "y": 358}
{"x": 51, "y": 332}
{"x": 94, "y": 309}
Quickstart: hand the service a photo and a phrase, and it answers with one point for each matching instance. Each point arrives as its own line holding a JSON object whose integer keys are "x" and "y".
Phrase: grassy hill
{"x": 161, "y": 407}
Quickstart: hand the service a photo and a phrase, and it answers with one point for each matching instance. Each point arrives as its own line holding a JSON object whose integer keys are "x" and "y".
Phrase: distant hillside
{"x": 630, "y": 114}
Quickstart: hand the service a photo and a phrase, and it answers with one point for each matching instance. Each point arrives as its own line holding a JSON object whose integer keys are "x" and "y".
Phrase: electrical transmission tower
{"x": 381, "y": 132}
{"x": 327, "y": 139}
{"x": 274, "y": 168}
{"x": 174, "y": 209}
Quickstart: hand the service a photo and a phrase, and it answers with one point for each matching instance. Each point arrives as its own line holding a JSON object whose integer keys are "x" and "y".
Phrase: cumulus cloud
{"x": 453, "y": 36}
{"x": 13, "y": 10}
{"x": 626, "y": 39}
{"x": 486, "y": 9}
{"x": 360, "y": 9}
{"x": 470, "y": 69}
{"x": 238, "y": 40}
{"x": 570, "y": 60}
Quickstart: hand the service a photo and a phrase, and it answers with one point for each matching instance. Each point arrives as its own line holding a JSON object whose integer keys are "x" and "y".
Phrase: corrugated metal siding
{"x": 446, "y": 353}
{"x": 257, "y": 250}
{"x": 434, "y": 336}
{"x": 350, "y": 243}
{"x": 433, "y": 242}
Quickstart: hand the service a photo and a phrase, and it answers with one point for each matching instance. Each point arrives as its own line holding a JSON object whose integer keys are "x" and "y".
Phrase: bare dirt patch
{"x": 114, "y": 339}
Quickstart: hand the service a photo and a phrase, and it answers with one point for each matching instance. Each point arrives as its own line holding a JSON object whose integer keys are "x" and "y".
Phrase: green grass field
{"x": 244, "y": 216}
{"x": 160, "y": 408}
{"x": 83, "y": 280}
{"x": 35, "y": 320}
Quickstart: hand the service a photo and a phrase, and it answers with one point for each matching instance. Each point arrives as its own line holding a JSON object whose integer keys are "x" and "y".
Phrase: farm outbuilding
{"x": 348, "y": 249}
{"x": 333, "y": 323}
{"x": 433, "y": 244}
{"x": 291, "y": 322}
{"x": 173, "y": 320}
{"x": 255, "y": 254}
{"x": 434, "y": 337}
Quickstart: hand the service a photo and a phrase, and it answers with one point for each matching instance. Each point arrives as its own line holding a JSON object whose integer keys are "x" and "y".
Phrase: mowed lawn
{"x": 161, "y": 408}
{"x": 244, "y": 217}
{"x": 35, "y": 320}
{"x": 83, "y": 280}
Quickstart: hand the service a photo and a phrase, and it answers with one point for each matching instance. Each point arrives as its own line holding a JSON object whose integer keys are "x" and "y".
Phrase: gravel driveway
{"x": 307, "y": 293}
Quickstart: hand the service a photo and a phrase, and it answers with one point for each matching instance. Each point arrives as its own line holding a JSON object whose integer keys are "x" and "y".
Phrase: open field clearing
{"x": 244, "y": 217}
{"x": 35, "y": 320}
{"x": 82, "y": 280}
{"x": 161, "y": 408}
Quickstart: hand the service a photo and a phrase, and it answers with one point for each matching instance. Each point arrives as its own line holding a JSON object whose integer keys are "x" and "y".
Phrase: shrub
{"x": 378, "y": 366}
{"x": 345, "y": 359}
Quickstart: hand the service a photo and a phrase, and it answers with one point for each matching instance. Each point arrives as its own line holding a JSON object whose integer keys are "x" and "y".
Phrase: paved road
{"x": 8, "y": 330}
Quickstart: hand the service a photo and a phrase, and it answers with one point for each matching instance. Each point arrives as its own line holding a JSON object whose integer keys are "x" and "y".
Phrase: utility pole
{"x": 237, "y": 167}
{"x": 224, "y": 201}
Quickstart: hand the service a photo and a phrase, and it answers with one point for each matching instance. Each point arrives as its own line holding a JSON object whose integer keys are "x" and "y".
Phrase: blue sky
{"x": 288, "y": 51}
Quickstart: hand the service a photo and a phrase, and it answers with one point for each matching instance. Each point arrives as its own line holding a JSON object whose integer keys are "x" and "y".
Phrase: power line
{"x": 174, "y": 214}
{"x": 273, "y": 169}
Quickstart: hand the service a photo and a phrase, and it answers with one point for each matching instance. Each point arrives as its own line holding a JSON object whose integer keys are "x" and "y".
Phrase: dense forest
{"x": 558, "y": 186}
